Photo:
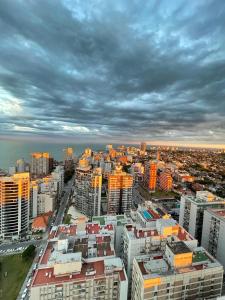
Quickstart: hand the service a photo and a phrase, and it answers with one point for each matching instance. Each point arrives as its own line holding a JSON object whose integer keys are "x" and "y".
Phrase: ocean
{"x": 10, "y": 151}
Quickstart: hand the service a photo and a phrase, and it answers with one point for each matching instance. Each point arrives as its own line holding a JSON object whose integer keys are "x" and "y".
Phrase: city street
{"x": 64, "y": 201}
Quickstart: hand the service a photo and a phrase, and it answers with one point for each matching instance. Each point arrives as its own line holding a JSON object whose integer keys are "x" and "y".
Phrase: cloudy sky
{"x": 125, "y": 70}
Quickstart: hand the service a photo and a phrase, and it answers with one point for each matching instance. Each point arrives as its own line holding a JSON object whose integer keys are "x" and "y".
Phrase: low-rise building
{"x": 68, "y": 270}
{"x": 178, "y": 273}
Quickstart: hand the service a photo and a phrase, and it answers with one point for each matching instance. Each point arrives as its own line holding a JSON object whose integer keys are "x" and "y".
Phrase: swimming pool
{"x": 147, "y": 215}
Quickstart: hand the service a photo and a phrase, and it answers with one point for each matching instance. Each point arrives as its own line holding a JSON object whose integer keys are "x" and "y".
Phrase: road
{"x": 64, "y": 201}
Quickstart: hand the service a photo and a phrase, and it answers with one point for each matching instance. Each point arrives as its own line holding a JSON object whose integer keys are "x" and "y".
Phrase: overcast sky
{"x": 113, "y": 70}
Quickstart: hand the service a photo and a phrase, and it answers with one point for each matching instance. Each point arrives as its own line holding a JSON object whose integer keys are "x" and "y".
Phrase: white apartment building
{"x": 139, "y": 240}
{"x": 213, "y": 233}
{"x": 192, "y": 210}
{"x": 68, "y": 270}
{"x": 179, "y": 273}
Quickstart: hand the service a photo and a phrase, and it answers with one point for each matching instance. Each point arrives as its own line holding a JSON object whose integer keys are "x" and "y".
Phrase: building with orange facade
{"x": 120, "y": 190}
{"x": 87, "y": 190}
{"x": 40, "y": 163}
{"x": 165, "y": 180}
{"x": 150, "y": 175}
{"x": 14, "y": 205}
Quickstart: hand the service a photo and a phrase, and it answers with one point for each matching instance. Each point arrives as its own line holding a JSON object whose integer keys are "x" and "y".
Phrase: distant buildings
{"x": 87, "y": 189}
{"x": 68, "y": 159}
{"x": 46, "y": 192}
{"x": 120, "y": 190}
{"x": 143, "y": 147}
{"x": 150, "y": 175}
{"x": 213, "y": 233}
{"x": 192, "y": 210}
{"x": 40, "y": 163}
{"x": 14, "y": 205}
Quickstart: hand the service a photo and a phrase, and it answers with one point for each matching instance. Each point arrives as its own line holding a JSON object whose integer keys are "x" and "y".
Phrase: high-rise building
{"x": 213, "y": 233}
{"x": 20, "y": 165}
{"x": 143, "y": 147}
{"x": 40, "y": 163}
{"x": 192, "y": 210}
{"x": 14, "y": 205}
{"x": 108, "y": 147}
{"x": 178, "y": 273}
{"x": 87, "y": 152}
{"x": 120, "y": 190}
{"x": 87, "y": 189}
{"x": 165, "y": 180}
{"x": 150, "y": 175}
{"x": 68, "y": 153}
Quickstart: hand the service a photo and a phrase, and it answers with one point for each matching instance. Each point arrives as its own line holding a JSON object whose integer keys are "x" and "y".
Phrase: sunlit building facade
{"x": 14, "y": 205}
{"x": 120, "y": 190}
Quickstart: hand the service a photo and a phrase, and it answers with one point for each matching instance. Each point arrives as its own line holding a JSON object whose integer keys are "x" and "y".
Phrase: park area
{"x": 13, "y": 270}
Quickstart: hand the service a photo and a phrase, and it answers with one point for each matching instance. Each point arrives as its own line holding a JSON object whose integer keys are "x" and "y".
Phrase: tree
{"x": 28, "y": 252}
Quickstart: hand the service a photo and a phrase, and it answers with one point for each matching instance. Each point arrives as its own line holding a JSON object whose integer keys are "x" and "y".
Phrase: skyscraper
{"x": 120, "y": 189}
{"x": 143, "y": 146}
{"x": 87, "y": 191}
{"x": 14, "y": 205}
{"x": 40, "y": 163}
{"x": 150, "y": 175}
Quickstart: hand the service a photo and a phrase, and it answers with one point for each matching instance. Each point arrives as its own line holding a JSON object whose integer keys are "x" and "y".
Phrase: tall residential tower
{"x": 14, "y": 205}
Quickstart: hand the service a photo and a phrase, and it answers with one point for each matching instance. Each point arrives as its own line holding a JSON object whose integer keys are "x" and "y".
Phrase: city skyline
{"x": 124, "y": 71}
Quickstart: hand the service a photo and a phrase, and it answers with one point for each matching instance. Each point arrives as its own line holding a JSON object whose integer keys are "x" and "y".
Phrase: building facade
{"x": 14, "y": 205}
{"x": 87, "y": 189}
{"x": 165, "y": 180}
{"x": 192, "y": 211}
{"x": 40, "y": 163}
{"x": 150, "y": 175}
{"x": 213, "y": 233}
{"x": 120, "y": 190}
{"x": 179, "y": 273}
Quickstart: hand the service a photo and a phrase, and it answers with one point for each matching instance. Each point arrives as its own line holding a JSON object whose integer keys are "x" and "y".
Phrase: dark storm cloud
{"x": 126, "y": 70}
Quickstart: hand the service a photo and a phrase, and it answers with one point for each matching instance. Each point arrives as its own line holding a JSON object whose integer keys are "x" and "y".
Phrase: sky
{"x": 118, "y": 71}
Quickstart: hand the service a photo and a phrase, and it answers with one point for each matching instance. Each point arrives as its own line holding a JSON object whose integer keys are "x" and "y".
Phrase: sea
{"x": 11, "y": 151}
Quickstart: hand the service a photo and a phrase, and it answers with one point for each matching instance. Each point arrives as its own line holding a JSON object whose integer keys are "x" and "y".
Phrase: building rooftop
{"x": 219, "y": 213}
{"x": 204, "y": 197}
{"x": 158, "y": 265}
{"x": 179, "y": 248}
{"x": 95, "y": 269}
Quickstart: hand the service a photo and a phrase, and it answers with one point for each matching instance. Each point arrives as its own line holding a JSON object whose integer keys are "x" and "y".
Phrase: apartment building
{"x": 45, "y": 192}
{"x": 14, "y": 205}
{"x": 120, "y": 190}
{"x": 40, "y": 163}
{"x": 213, "y": 233}
{"x": 143, "y": 147}
{"x": 87, "y": 190}
{"x": 117, "y": 223}
{"x": 66, "y": 271}
{"x": 150, "y": 175}
{"x": 165, "y": 180}
{"x": 178, "y": 273}
{"x": 140, "y": 241}
{"x": 192, "y": 210}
